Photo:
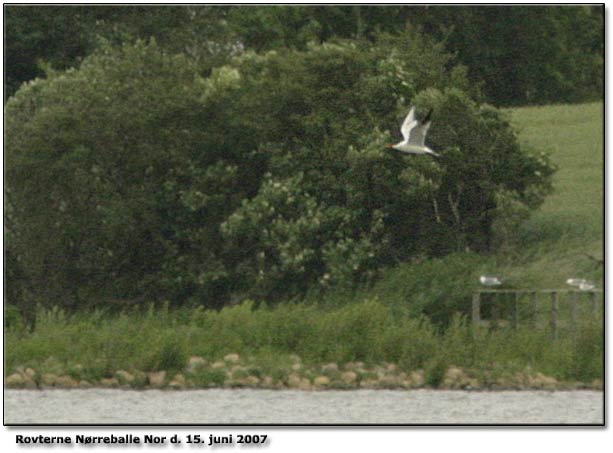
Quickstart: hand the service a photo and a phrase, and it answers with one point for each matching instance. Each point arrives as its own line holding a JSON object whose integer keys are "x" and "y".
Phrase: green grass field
{"x": 570, "y": 224}
{"x": 574, "y": 136}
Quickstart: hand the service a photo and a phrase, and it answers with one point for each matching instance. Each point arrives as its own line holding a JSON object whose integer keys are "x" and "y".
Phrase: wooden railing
{"x": 573, "y": 297}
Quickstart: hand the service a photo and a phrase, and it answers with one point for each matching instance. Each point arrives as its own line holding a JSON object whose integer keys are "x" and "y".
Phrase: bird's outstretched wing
{"x": 418, "y": 133}
{"x": 408, "y": 124}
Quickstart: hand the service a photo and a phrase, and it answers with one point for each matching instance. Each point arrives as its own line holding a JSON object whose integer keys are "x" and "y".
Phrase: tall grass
{"x": 95, "y": 346}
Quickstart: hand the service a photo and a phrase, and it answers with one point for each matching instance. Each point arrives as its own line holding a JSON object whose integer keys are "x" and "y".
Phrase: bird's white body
{"x": 490, "y": 280}
{"x": 575, "y": 281}
{"x": 586, "y": 286}
{"x": 407, "y": 148}
{"x": 414, "y": 134}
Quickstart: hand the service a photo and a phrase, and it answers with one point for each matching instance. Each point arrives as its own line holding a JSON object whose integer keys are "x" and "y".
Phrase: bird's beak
{"x": 391, "y": 145}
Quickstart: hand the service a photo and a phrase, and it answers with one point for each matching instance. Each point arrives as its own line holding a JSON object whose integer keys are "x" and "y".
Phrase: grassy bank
{"x": 360, "y": 345}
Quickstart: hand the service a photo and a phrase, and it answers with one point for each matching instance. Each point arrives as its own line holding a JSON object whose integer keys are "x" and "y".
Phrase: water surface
{"x": 247, "y": 406}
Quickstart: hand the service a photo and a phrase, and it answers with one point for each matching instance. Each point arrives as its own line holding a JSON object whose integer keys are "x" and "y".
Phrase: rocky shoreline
{"x": 233, "y": 372}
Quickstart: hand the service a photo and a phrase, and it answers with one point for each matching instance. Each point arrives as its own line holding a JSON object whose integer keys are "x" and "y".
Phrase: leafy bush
{"x": 146, "y": 176}
{"x": 116, "y": 192}
{"x": 333, "y": 206}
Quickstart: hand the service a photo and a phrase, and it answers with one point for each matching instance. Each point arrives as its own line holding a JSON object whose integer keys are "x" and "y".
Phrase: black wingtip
{"x": 427, "y": 118}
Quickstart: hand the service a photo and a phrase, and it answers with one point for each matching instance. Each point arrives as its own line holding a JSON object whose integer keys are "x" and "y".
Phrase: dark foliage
{"x": 144, "y": 175}
{"x": 519, "y": 54}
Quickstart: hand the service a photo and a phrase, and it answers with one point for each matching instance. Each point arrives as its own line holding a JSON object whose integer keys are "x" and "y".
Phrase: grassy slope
{"x": 574, "y": 135}
{"x": 570, "y": 223}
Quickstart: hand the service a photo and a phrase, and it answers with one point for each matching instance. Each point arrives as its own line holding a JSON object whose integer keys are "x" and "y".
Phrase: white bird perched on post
{"x": 575, "y": 281}
{"x": 490, "y": 280}
{"x": 581, "y": 283}
{"x": 586, "y": 286}
{"x": 414, "y": 133}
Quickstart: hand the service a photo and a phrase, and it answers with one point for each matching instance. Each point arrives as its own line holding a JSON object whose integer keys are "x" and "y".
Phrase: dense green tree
{"x": 334, "y": 205}
{"x": 525, "y": 54}
{"x": 145, "y": 175}
{"x": 117, "y": 173}
{"x": 59, "y": 37}
{"x": 36, "y": 34}
{"x": 520, "y": 54}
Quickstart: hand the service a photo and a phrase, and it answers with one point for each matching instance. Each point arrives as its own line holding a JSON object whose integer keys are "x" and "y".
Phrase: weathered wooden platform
{"x": 499, "y": 299}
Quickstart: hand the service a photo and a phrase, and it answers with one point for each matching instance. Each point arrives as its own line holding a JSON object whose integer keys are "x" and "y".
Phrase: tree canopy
{"x": 151, "y": 173}
{"x": 518, "y": 54}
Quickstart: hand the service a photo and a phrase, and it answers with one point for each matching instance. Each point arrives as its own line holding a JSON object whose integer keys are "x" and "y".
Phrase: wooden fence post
{"x": 593, "y": 302}
{"x": 572, "y": 297}
{"x": 534, "y": 308}
{"x": 570, "y": 317}
{"x": 554, "y": 315}
{"x": 476, "y": 312}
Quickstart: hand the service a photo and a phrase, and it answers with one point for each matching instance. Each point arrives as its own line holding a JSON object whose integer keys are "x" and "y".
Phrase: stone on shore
{"x": 390, "y": 382}
{"x": 195, "y": 363}
{"x": 31, "y": 384}
{"x": 349, "y": 377}
{"x": 329, "y": 368}
{"x": 218, "y": 365}
{"x": 369, "y": 383}
{"x": 178, "y": 382}
{"x": 66, "y": 382}
{"x": 15, "y": 380}
{"x": 354, "y": 366}
{"x": 109, "y": 382}
{"x": 456, "y": 378}
{"x": 251, "y": 381}
{"x": 417, "y": 378}
{"x": 238, "y": 372}
{"x": 232, "y": 358}
{"x": 124, "y": 377}
{"x": 156, "y": 378}
{"x": 293, "y": 381}
{"x": 48, "y": 379}
{"x": 542, "y": 381}
{"x": 321, "y": 382}
{"x": 305, "y": 384}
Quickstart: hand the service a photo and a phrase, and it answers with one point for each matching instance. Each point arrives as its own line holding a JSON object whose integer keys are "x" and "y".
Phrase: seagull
{"x": 575, "y": 282}
{"x": 490, "y": 280}
{"x": 586, "y": 286}
{"x": 414, "y": 133}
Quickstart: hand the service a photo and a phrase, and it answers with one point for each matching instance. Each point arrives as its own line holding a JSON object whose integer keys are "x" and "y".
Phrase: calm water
{"x": 101, "y": 406}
